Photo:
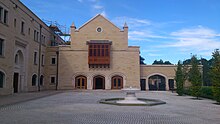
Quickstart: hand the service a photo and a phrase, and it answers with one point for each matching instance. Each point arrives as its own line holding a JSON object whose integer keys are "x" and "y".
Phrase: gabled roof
{"x": 95, "y": 18}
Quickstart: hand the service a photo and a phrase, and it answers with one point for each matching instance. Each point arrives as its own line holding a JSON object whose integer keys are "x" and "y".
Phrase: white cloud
{"x": 98, "y": 7}
{"x": 80, "y": 1}
{"x": 199, "y": 40}
{"x": 103, "y": 13}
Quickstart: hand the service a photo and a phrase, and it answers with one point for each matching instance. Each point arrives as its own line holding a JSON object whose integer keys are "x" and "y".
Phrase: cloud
{"x": 98, "y": 7}
{"x": 139, "y": 29}
{"x": 80, "y": 1}
{"x": 197, "y": 39}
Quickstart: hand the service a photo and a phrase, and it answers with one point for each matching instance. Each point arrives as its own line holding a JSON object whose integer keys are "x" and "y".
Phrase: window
{"x": 2, "y": 78}
{"x": 99, "y": 54}
{"x": 41, "y": 80}
{"x": 53, "y": 60}
{"x": 99, "y": 29}
{"x": 5, "y": 17}
{"x": 1, "y": 47}
{"x": 29, "y": 31}
{"x": 22, "y": 27}
{"x": 52, "y": 79}
{"x": 34, "y": 80}
{"x": 35, "y": 58}
{"x": 35, "y": 35}
{"x": 15, "y": 22}
{"x": 16, "y": 59}
{"x": 42, "y": 60}
{"x": 1, "y": 13}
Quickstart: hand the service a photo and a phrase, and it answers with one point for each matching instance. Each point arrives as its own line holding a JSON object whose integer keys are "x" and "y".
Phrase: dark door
{"x": 99, "y": 82}
{"x": 15, "y": 82}
{"x": 171, "y": 84}
{"x": 143, "y": 84}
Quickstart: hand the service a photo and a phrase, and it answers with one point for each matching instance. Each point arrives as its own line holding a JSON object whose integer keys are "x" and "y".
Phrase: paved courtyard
{"x": 75, "y": 107}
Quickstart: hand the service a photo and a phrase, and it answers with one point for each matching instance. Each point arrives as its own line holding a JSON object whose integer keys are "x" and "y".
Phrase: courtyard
{"x": 82, "y": 107}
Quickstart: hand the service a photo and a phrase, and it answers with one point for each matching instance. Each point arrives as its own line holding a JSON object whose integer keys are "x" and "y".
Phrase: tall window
{"x": 1, "y": 13}
{"x": 34, "y": 80}
{"x": 42, "y": 60}
{"x": 5, "y": 17}
{"x": 35, "y": 58}
{"x": 22, "y": 27}
{"x": 2, "y": 78}
{"x": 53, "y": 60}
{"x": 35, "y": 34}
{"x": 15, "y": 22}
{"x": 1, "y": 46}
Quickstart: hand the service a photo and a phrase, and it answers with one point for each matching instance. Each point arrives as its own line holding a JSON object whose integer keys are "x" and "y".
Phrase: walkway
{"x": 74, "y": 107}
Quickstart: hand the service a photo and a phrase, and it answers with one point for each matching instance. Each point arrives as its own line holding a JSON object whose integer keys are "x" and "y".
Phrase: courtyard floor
{"x": 82, "y": 107}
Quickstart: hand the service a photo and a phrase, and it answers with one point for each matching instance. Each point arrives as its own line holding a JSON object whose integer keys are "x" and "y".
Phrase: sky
{"x": 170, "y": 30}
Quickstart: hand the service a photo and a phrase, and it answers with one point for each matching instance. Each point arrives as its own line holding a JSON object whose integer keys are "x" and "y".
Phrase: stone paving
{"x": 76, "y": 107}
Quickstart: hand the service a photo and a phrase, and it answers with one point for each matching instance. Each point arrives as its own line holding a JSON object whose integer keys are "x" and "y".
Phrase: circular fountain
{"x": 131, "y": 99}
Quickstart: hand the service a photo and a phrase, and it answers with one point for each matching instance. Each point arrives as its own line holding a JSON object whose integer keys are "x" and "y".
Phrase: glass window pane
{"x": 83, "y": 80}
{"x": 1, "y": 46}
{"x": 119, "y": 82}
{"x": 78, "y": 82}
{"x": 115, "y": 82}
{"x": 1, "y": 79}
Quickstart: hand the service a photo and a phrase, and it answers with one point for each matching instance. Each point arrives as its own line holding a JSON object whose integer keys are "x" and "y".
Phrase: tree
{"x": 205, "y": 72}
{"x": 195, "y": 77}
{"x": 179, "y": 79}
{"x": 215, "y": 75}
{"x": 142, "y": 60}
{"x": 160, "y": 62}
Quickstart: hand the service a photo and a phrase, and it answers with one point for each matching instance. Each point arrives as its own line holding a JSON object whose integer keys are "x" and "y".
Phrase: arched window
{"x": 41, "y": 80}
{"x": 81, "y": 82}
{"x": 117, "y": 82}
{"x": 34, "y": 80}
{"x": 2, "y": 79}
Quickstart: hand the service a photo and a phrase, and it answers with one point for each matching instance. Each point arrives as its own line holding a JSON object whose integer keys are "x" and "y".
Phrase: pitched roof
{"x": 95, "y": 18}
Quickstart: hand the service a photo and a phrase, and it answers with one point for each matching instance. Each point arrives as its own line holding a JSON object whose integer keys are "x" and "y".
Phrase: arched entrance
{"x": 81, "y": 82}
{"x": 99, "y": 82}
{"x": 157, "y": 82}
{"x": 18, "y": 80}
{"x": 117, "y": 82}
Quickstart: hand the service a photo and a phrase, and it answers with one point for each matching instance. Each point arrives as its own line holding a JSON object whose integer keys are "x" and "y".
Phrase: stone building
{"x": 24, "y": 39}
{"x": 33, "y": 58}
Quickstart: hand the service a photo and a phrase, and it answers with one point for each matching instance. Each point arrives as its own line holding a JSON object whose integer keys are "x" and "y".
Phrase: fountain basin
{"x": 144, "y": 102}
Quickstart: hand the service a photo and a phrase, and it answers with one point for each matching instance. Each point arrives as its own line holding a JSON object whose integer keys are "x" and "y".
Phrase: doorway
{"x": 15, "y": 82}
{"x": 117, "y": 82}
{"x": 81, "y": 82}
{"x": 99, "y": 82}
{"x": 157, "y": 82}
{"x": 143, "y": 84}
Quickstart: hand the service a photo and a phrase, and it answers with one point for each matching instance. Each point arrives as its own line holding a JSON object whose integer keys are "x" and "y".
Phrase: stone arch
{"x": 78, "y": 74}
{"x": 157, "y": 81}
{"x": 119, "y": 74}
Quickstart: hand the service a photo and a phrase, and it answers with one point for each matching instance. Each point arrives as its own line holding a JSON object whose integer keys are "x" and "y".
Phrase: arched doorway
{"x": 157, "y": 82}
{"x": 81, "y": 82}
{"x": 99, "y": 82}
{"x": 117, "y": 82}
{"x": 19, "y": 75}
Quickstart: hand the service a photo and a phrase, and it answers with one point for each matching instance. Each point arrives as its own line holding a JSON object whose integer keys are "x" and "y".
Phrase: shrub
{"x": 206, "y": 92}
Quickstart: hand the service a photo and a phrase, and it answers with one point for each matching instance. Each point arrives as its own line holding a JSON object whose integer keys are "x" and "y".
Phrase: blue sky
{"x": 164, "y": 29}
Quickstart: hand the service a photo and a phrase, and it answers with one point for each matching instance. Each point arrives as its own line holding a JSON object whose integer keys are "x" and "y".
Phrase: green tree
{"x": 142, "y": 60}
{"x": 179, "y": 79}
{"x": 195, "y": 77}
{"x": 215, "y": 75}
